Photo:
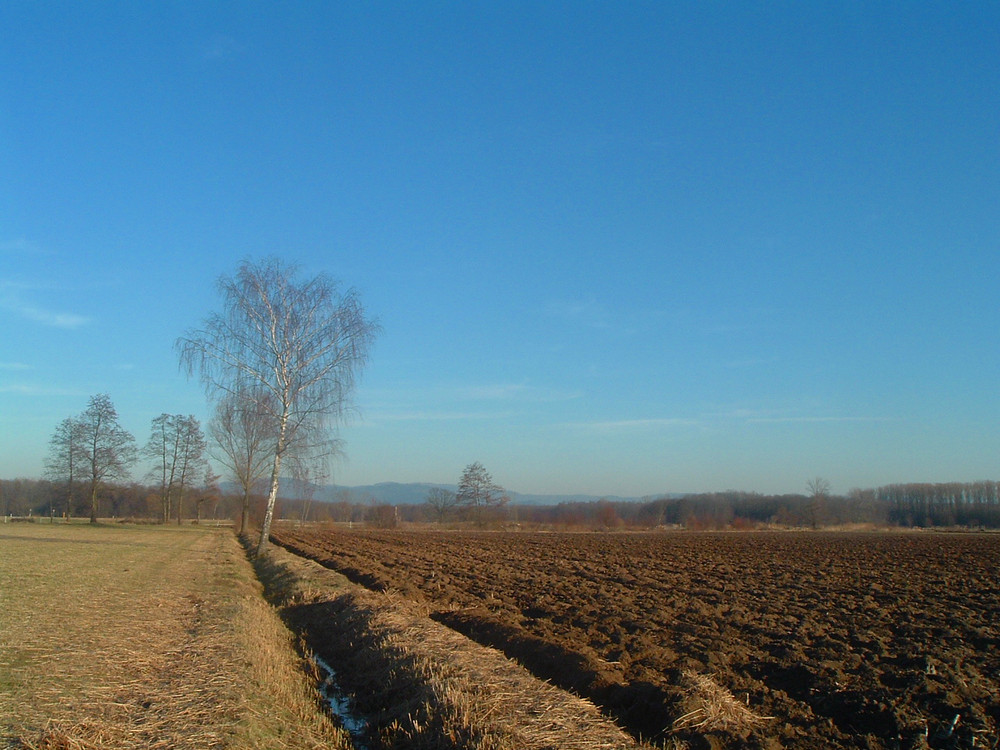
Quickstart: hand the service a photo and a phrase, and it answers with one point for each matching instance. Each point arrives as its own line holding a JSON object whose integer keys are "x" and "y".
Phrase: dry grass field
{"x": 145, "y": 637}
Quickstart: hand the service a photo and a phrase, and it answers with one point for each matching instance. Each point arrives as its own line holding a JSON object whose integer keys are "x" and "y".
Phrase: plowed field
{"x": 842, "y": 640}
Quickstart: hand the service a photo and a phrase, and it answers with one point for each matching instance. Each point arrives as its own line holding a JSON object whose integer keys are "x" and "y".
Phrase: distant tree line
{"x": 43, "y": 499}
{"x": 945, "y": 504}
{"x": 952, "y": 504}
{"x": 737, "y": 509}
{"x": 973, "y": 504}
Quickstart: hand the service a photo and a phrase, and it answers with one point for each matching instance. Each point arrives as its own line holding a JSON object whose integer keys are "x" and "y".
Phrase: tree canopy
{"x": 106, "y": 448}
{"x": 290, "y": 348}
{"x": 478, "y": 493}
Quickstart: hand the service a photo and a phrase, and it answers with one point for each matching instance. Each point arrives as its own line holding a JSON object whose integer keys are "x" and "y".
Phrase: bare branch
{"x": 290, "y": 350}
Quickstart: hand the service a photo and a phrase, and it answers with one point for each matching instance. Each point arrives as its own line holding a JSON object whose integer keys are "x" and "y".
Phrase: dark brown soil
{"x": 847, "y": 640}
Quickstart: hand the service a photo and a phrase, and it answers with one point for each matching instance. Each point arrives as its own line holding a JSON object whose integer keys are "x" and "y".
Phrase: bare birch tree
{"x": 302, "y": 343}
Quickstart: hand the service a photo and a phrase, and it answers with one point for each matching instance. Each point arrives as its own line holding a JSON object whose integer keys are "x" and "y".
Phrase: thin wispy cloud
{"x": 623, "y": 320}
{"x": 788, "y": 416}
{"x": 794, "y": 420}
{"x": 444, "y": 403}
{"x": 515, "y": 392}
{"x": 746, "y": 416}
{"x": 721, "y": 322}
{"x": 38, "y": 390}
{"x": 433, "y": 416}
{"x": 626, "y": 425}
{"x": 14, "y": 366}
{"x": 494, "y": 392}
{"x": 12, "y": 296}
{"x": 51, "y": 317}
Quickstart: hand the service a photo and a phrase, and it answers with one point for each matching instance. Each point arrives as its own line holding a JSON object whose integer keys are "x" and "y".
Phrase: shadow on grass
{"x": 280, "y": 584}
{"x": 385, "y": 686}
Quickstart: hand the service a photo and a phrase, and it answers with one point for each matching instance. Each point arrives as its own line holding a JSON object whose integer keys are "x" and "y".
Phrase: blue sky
{"x": 616, "y": 248}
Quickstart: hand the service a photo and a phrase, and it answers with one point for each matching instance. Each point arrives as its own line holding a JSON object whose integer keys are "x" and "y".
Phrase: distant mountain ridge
{"x": 415, "y": 493}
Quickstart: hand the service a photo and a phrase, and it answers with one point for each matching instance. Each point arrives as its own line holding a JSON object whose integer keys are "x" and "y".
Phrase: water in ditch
{"x": 341, "y": 705}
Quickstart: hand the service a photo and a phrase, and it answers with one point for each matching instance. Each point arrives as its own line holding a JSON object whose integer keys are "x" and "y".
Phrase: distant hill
{"x": 415, "y": 493}
{"x": 388, "y": 493}
{"x": 524, "y": 499}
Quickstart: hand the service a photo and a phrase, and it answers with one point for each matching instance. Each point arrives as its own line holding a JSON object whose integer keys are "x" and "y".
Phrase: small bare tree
{"x": 479, "y": 494}
{"x": 191, "y": 457}
{"x": 309, "y": 468}
{"x": 65, "y": 461}
{"x": 818, "y": 487}
{"x": 177, "y": 445}
{"x": 441, "y": 502}
{"x": 819, "y": 490}
{"x": 208, "y": 491}
{"x": 162, "y": 448}
{"x": 293, "y": 347}
{"x": 242, "y": 436}
{"x": 308, "y": 457}
{"x": 107, "y": 449}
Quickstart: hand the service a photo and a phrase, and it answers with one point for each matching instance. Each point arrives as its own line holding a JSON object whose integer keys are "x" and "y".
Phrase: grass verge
{"x": 145, "y": 637}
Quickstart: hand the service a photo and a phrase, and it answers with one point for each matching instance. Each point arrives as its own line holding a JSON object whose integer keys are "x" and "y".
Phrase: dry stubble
{"x": 144, "y": 637}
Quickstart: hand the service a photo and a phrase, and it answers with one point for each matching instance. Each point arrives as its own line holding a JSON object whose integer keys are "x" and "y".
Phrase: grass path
{"x": 144, "y": 637}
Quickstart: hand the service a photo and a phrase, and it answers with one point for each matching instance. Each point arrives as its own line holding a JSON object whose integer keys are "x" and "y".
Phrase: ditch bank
{"x": 414, "y": 682}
